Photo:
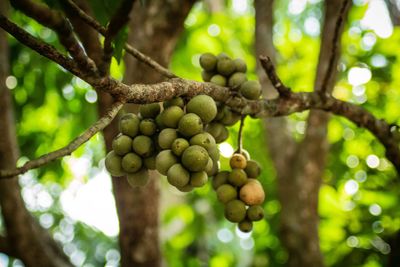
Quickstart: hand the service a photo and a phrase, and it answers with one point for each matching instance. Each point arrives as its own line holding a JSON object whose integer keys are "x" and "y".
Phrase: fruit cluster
{"x": 241, "y": 192}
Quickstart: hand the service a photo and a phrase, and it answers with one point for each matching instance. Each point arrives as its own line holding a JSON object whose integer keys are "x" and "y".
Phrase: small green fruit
{"x": 186, "y": 188}
{"x": 131, "y": 163}
{"x": 195, "y": 158}
{"x": 222, "y": 136}
{"x": 178, "y": 176}
{"x": 148, "y": 127}
{"x": 219, "y": 179}
{"x": 237, "y": 79}
{"x": 171, "y": 116}
{"x": 203, "y": 106}
{"x": 179, "y": 145}
{"x": 190, "y": 124}
{"x": 150, "y": 162}
{"x": 198, "y": 179}
{"x": 122, "y": 144}
{"x": 203, "y": 139}
{"x": 230, "y": 117}
{"x": 218, "y": 79}
{"x": 214, "y": 128}
{"x": 237, "y": 177}
{"x": 225, "y": 66}
{"x": 166, "y": 137}
{"x": 207, "y": 75}
{"x": 226, "y": 193}
{"x": 240, "y": 65}
{"x": 149, "y": 110}
{"x": 164, "y": 160}
{"x": 252, "y": 169}
{"x": 129, "y": 124}
{"x": 255, "y": 213}
{"x": 245, "y": 226}
{"x": 113, "y": 164}
{"x": 143, "y": 145}
{"x": 176, "y": 101}
{"x": 208, "y": 61}
{"x": 251, "y": 90}
{"x": 139, "y": 178}
{"x": 235, "y": 211}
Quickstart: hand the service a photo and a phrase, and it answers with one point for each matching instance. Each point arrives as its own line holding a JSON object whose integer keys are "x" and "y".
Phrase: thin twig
{"x": 68, "y": 149}
{"x": 128, "y": 48}
{"x": 269, "y": 68}
{"x": 240, "y": 134}
{"x": 335, "y": 44}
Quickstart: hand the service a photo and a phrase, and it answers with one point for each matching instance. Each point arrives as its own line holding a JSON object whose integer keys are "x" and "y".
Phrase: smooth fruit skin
{"x": 147, "y": 127}
{"x": 195, "y": 158}
{"x": 240, "y": 65}
{"x": 149, "y": 110}
{"x": 252, "y": 169}
{"x": 237, "y": 177}
{"x": 220, "y": 179}
{"x": 218, "y": 79}
{"x": 208, "y": 61}
{"x": 122, "y": 144}
{"x": 167, "y": 137}
{"x": 179, "y": 145}
{"x": 225, "y": 66}
{"x": 226, "y": 193}
{"x": 237, "y": 79}
{"x": 238, "y": 161}
{"x": 176, "y": 101}
{"x": 139, "y": 178}
{"x": 129, "y": 124}
{"x": 178, "y": 176}
{"x": 190, "y": 124}
{"x": 245, "y": 226}
{"x": 235, "y": 211}
{"x": 198, "y": 179}
{"x": 131, "y": 163}
{"x": 170, "y": 117}
{"x": 252, "y": 193}
{"x": 113, "y": 164}
{"x": 255, "y": 213}
{"x": 164, "y": 160}
{"x": 143, "y": 145}
{"x": 203, "y": 139}
{"x": 251, "y": 90}
{"x": 203, "y": 106}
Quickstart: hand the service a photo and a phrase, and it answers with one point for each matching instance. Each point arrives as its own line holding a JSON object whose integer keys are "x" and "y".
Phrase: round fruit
{"x": 113, "y": 164}
{"x": 237, "y": 79}
{"x": 150, "y": 162}
{"x": 178, "y": 176}
{"x": 176, "y": 101}
{"x": 143, "y": 145}
{"x": 139, "y": 178}
{"x": 237, "y": 177}
{"x": 164, "y": 160}
{"x": 171, "y": 116}
{"x": 215, "y": 168}
{"x": 131, "y": 163}
{"x": 213, "y": 152}
{"x": 255, "y": 213}
{"x": 219, "y": 179}
{"x": 203, "y": 106}
{"x": 207, "y": 75}
{"x": 252, "y": 193}
{"x": 252, "y": 169}
{"x": 222, "y": 55}
{"x": 122, "y": 144}
{"x": 129, "y": 124}
{"x": 148, "y": 127}
{"x": 251, "y": 90}
{"x": 166, "y": 137}
{"x": 222, "y": 136}
{"x": 226, "y": 193}
{"x": 245, "y": 226}
{"x": 186, "y": 188}
{"x": 240, "y": 65}
{"x": 238, "y": 161}
{"x": 203, "y": 139}
{"x": 230, "y": 117}
{"x": 214, "y": 128}
{"x": 218, "y": 79}
{"x": 149, "y": 110}
{"x": 190, "y": 124}
{"x": 198, "y": 179}
{"x": 235, "y": 211}
{"x": 225, "y": 66}
{"x": 195, "y": 158}
{"x": 209, "y": 166}
{"x": 208, "y": 61}
{"x": 220, "y": 112}
{"x": 179, "y": 145}
{"x": 159, "y": 122}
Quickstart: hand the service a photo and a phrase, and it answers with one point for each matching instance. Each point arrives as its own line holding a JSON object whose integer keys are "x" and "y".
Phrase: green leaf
{"x": 119, "y": 43}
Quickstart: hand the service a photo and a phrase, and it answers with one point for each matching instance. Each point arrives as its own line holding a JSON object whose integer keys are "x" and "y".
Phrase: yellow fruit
{"x": 238, "y": 161}
{"x": 252, "y": 193}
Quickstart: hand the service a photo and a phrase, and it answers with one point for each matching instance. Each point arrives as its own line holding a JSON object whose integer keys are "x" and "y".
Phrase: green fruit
{"x": 218, "y": 80}
{"x": 149, "y": 110}
{"x": 214, "y": 170}
{"x": 222, "y": 136}
{"x": 226, "y": 193}
{"x": 208, "y": 61}
{"x": 122, "y": 144}
{"x": 245, "y": 226}
{"x": 148, "y": 127}
{"x": 207, "y": 75}
{"x": 235, "y": 211}
{"x": 214, "y": 153}
{"x": 129, "y": 124}
{"x": 222, "y": 55}
{"x": 255, "y": 213}
{"x": 164, "y": 160}
{"x": 203, "y": 106}
{"x": 225, "y": 66}
{"x": 230, "y": 117}
{"x": 198, "y": 179}
{"x": 179, "y": 145}
{"x": 237, "y": 79}
{"x": 178, "y": 176}
{"x": 203, "y": 139}
{"x": 176, "y": 101}
{"x": 190, "y": 124}
{"x": 252, "y": 169}
{"x": 220, "y": 112}
{"x": 166, "y": 137}
{"x": 240, "y": 65}
{"x": 150, "y": 162}
{"x": 171, "y": 116}
{"x": 219, "y": 179}
{"x": 209, "y": 166}
{"x": 251, "y": 90}
{"x": 214, "y": 128}
{"x": 195, "y": 158}
{"x": 113, "y": 164}
{"x": 139, "y": 178}
{"x": 186, "y": 188}
{"x": 159, "y": 122}
{"x": 131, "y": 163}
{"x": 143, "y": 145}
{"x": 237, "y": 177}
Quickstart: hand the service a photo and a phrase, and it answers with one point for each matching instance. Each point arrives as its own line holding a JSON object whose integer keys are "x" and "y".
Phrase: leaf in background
{"x": 104, "y": 9}
{"x": 119, "y": 43}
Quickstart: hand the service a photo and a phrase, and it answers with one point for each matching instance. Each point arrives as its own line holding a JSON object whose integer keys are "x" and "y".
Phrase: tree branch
{"x": 68, "y": 149}
{"x": 269, "y": 68}
{"x": 55, "y": 21}
{"x": 5, "y": 248}
{"x": 128, "y": 48}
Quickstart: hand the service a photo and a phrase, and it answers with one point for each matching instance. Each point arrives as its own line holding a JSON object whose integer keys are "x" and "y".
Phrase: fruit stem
{"x": 240, "y": 142}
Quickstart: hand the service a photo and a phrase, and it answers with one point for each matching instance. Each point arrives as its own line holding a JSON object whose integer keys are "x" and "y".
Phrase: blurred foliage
{"x": 359, "y": 197}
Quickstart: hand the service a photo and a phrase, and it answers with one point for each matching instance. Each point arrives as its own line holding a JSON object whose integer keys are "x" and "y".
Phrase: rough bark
{"x": 25, "y": 238}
